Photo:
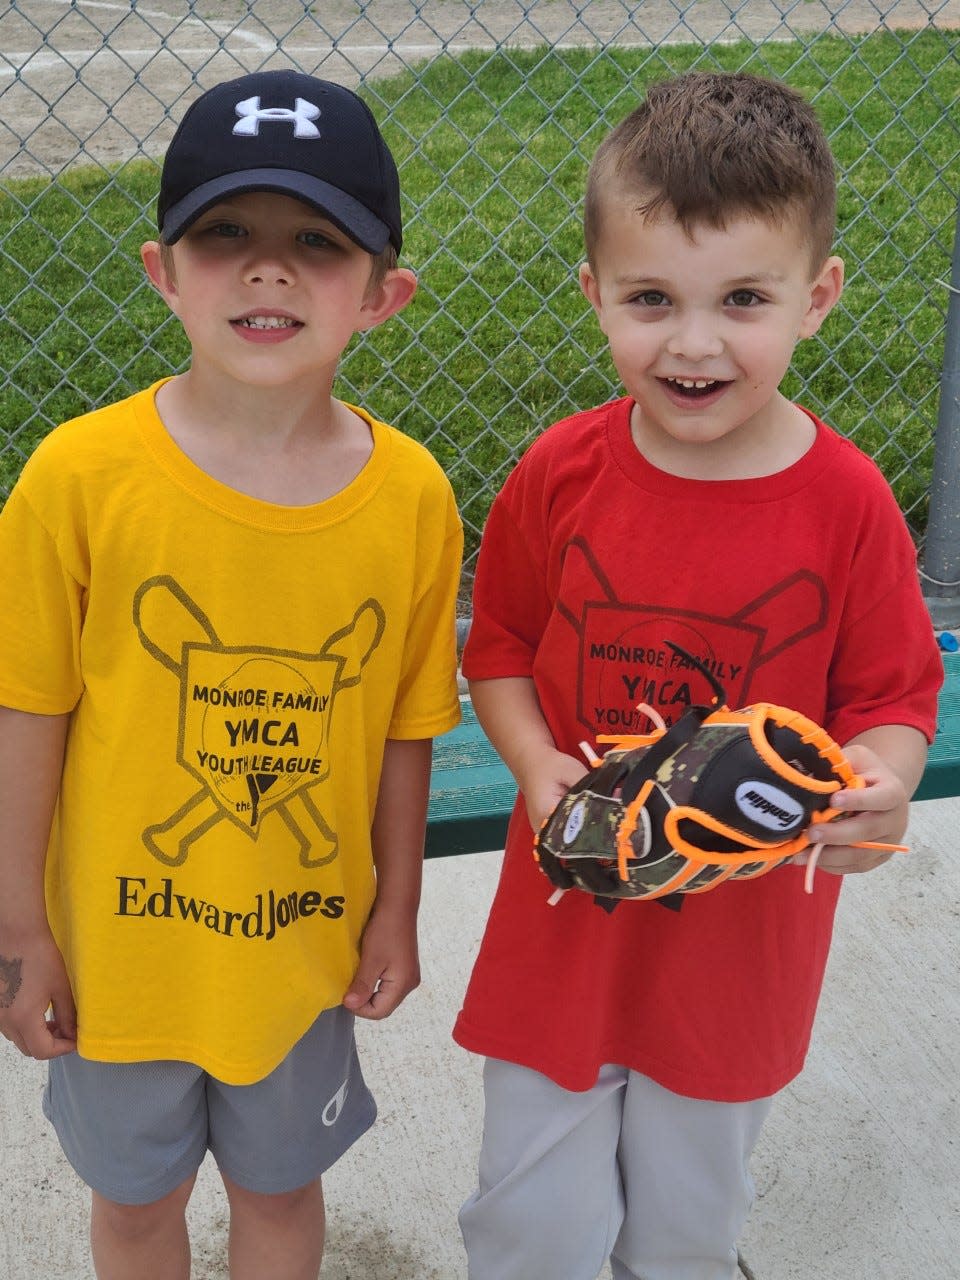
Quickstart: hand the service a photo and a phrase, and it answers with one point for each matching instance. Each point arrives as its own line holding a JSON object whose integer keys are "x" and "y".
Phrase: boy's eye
{"x": 650, "y": 298}
{"x": 315, "y": 240}
{"x": 229, "y": 230}
{"x": 743, "y": 298}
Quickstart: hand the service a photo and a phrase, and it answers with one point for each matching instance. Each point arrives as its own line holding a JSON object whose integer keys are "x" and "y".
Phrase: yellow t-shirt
{"x": 233, "y": 669}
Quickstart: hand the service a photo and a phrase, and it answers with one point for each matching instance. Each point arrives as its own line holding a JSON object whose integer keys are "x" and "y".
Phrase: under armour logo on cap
{"x": 259, "y": 133}
{"x": 302, "y": 117}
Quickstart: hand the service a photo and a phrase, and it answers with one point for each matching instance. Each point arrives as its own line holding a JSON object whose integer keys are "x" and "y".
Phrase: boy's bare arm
{"x": 389, "y": 966}
{"x": 32, "y": 973}
{"x": 509, "y": 710}
{"x": 890, "y": 759}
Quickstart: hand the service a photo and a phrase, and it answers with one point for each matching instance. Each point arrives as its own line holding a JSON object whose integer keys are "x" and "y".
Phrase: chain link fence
{"x": 493, "y": 110}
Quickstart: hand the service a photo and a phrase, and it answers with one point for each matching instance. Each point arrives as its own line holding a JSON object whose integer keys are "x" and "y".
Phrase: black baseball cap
{"x": 287, "y": 132}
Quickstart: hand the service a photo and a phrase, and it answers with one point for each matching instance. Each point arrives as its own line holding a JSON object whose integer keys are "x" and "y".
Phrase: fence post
{"x": 940, "y": 573}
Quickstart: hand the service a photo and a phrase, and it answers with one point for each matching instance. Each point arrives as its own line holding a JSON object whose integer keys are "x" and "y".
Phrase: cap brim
{"x": 353, "y": 218}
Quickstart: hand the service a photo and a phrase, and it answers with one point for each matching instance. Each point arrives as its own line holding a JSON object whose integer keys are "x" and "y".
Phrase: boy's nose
{"x": 695, "y": 337}
{"x": 279, "y": 276}
{"x": 268, "y": 269}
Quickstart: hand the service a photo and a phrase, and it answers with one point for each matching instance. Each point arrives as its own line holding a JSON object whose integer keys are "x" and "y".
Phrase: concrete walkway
{"x": 858, "y": 1171}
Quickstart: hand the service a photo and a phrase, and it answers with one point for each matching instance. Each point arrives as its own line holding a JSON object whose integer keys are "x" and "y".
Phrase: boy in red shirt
{"x": 632, "y": 1055}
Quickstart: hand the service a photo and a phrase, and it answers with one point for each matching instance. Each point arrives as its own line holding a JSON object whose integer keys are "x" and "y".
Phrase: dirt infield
{"x": 97, "y": 80}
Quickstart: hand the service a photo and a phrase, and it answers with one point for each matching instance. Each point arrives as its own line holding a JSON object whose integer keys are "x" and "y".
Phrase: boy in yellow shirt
{"x": 229, "y": 639}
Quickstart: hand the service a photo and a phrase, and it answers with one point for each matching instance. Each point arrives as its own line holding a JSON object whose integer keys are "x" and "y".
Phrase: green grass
{"x": 493, "y": 151}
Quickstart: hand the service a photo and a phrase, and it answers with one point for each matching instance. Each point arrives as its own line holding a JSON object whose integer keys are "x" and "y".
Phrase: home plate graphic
{"x": 251, "y": 735}
{"x": 254, "y": 722}
{"x": 623, "y": 659}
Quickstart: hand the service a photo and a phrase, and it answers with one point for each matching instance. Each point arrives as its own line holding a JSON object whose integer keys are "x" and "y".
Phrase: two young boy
{"x": 631, "y": 1056}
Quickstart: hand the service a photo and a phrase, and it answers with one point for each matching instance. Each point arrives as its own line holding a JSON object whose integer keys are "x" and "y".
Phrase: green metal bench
{"x": 942, "y": 774}
{"x": 472, "y": 792}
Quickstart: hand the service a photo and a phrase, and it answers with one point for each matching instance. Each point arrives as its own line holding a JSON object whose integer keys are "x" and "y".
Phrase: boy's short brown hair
{"x": 710, "y": 146}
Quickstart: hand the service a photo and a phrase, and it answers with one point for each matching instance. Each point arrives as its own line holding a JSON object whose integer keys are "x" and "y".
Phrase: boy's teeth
{"x": 690, "y": 383}
{"x": 267, "y": 322}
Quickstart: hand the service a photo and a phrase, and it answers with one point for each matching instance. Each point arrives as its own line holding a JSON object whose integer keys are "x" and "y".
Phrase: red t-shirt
{"x": 799, "y": 589}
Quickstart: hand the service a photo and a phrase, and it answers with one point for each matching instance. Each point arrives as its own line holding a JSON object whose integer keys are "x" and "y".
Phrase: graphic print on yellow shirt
{"x": 254, "y": 722}
{"x": 232, "y": 670}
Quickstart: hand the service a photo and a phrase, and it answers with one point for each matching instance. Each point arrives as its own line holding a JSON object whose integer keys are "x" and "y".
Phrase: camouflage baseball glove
{"x": 720, "y": 795}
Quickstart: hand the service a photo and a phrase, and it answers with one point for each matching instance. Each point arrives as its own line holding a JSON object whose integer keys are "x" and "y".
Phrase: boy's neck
{"x": 288, "y": 446}
{"x": 761, "y": 448}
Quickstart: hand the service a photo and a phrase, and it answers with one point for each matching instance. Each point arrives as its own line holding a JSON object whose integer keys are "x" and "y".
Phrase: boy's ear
{"x": 388, "y": 297}
{"x": 825, "y": 290}
{"x": 589, "y": 286}
{"x": 154, "y": 263}
{"x": 591, "y": 291}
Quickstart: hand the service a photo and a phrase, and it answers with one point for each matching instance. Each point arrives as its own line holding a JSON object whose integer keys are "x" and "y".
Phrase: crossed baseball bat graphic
{"x": 174, "y": 630}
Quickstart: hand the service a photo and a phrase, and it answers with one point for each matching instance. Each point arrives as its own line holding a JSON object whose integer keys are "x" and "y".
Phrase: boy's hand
{"x": 389, "y": 967}
{"x": 877, "y": 812}
{"x": 544, "y": 782}
{"x": 509, "y": 711}
{"x": 33, "y": 979}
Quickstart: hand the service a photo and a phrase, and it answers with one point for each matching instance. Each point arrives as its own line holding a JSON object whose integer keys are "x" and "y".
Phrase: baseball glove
{"x": 720, "y": 795}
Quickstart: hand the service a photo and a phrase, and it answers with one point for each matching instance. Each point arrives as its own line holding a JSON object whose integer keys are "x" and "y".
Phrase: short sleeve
{"x": 427, "y": 701}
{"x": 511, "y": 606}
{"x": 886, "y": 666}
{"x": 41, "y": 603}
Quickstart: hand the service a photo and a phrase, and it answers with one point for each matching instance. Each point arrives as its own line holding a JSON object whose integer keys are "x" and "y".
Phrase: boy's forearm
{"x": 37, "y": 1010}
{"x": 31, "y": 762}
{"x": 400, "y": 823}
{"x": 389, "y": 966}
{"x": 899, "y": 746}
{"x": 509, "y": 711}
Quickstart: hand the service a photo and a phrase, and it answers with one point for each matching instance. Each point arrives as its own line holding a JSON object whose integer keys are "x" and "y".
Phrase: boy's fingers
{"x": 51, "y": 1047}
{"x": 361, "y": 992}
{"x": 64, "y": 1011}
{"x": 63, "y": 1030}
{"x": 44, "y": 1029}
{"x": 377, "y": 1000}
{"x": 385, "y": 999}
{"x": 42, "y": 1042}
{"x": 55, "y": 1032}
{"x": 844, "y": 860}
{"x": 851, "y": 831}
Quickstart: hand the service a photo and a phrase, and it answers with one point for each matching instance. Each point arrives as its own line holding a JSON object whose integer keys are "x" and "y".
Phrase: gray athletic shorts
{"x": 135, "y": 1131}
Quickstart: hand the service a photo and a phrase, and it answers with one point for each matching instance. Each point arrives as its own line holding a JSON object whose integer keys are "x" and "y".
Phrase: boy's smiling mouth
{"x": 693, "y": 388}
{"x": 266, "y": 327}
{"x": 267, "y": 322}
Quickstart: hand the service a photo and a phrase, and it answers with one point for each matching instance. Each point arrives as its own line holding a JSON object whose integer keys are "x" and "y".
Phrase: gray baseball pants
{"x": 657, "y": 1183}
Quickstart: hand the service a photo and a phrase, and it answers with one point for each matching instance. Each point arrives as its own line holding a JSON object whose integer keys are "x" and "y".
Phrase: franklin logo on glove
{"x": 760, "y": 801}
